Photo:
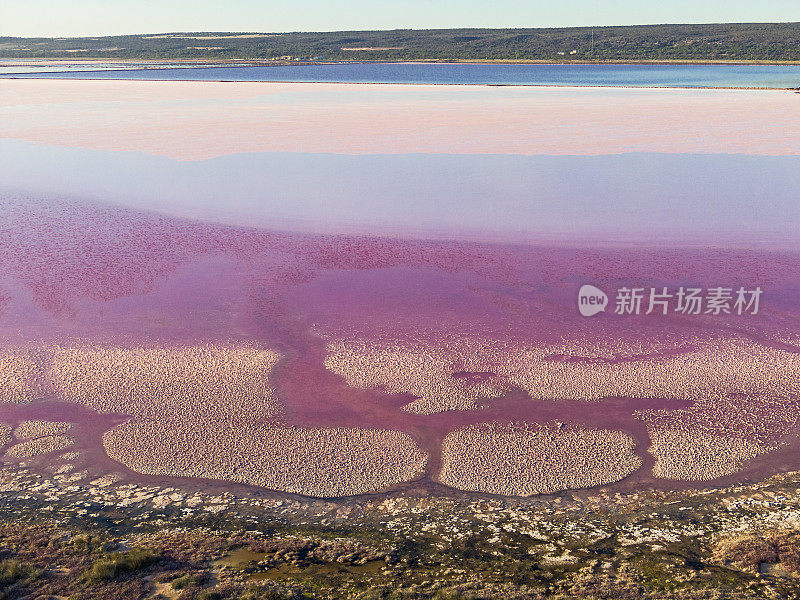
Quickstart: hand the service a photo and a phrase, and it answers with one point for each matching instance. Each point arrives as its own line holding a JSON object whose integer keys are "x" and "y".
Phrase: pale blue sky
{"x": 106, "y": 17}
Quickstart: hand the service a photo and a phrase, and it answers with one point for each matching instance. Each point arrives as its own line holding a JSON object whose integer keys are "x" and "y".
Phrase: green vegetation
{"x": 764, "y": 42}
{"x": 114, "y": 565}
{"x": 189, "y": 580}
{"x": 12, "y": 571}
{"x": 737, "y": 543}
{"x": 748, "y": 551}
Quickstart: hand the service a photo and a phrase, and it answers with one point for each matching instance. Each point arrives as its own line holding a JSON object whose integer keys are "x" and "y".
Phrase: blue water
{"x": 691, "y": 76}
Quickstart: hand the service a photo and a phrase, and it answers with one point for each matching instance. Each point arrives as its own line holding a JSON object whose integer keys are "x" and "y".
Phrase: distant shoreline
{"x": 16, "y": 77}
{"x": 247, "y": 62}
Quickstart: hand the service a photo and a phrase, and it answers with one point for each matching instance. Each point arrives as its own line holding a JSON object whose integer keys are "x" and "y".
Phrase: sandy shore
{"x": 199, "y": 120}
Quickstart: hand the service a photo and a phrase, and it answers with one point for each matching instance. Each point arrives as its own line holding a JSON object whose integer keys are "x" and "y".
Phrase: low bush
{"x": 12, "y": 570}
{"x": 749, "y": 550}
{"x": 114, "y": 565}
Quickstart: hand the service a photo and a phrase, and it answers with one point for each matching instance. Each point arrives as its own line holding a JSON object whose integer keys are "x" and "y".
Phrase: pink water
{"x": 80, "y": 272}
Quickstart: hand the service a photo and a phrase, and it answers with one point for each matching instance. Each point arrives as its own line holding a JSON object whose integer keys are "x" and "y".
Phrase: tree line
{"x": 714, "y": 42}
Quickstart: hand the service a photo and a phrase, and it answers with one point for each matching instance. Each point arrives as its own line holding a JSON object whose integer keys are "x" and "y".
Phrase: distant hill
{"x": 715, "y": 42}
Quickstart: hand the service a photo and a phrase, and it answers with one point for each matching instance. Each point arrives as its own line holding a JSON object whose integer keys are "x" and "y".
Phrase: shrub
{"x": 102, "y": 570}
{"x": 112, "y": 566}
{"x": 749, "y": 550}
{"x": 12, "y": 570}
{"x": 188, "y": 580}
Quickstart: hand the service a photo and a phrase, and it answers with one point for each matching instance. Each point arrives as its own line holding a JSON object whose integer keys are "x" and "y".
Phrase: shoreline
{"x": 501, "y": 61}
{"x": 37, "y": 77}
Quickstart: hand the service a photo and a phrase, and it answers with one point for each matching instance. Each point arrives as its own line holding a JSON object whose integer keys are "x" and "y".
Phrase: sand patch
{"x": 33, "y": 429}
{"x": 322, "y": 462}
{"x": 523, "y": 460}
{"x": 5, "y": 434}
{"x": 17, "y": 371}
{"x": 698, "y": 456}
{"x": 40, "y": 446}
{"x": 426, "y": 372}
{"x": 213, "y": 382}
